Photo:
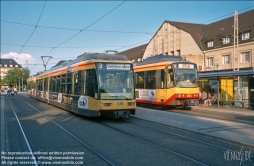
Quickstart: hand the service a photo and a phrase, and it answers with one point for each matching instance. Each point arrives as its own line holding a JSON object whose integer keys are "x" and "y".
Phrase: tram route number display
{"x": 145, "y": 94}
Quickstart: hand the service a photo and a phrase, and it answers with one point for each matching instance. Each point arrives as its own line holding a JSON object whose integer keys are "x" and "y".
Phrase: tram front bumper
{"x": 121, "y": 114}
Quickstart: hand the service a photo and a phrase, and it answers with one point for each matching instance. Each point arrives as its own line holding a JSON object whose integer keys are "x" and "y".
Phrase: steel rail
{"x": 167, "y": 149}
{"x": 24, "y": 135}
{"x": 83, "y": 143}
{"x": 182, "y": 136}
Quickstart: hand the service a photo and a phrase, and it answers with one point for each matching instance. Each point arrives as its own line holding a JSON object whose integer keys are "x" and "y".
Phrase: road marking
{"x": 2, "y": 125}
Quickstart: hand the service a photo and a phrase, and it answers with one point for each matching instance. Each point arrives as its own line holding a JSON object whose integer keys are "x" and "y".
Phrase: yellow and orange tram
{"x": 93, "y": 85}
{"x": 165, "y": 80}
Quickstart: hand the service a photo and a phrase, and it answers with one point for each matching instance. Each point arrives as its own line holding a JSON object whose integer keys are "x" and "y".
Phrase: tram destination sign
{"x": 183, "y": 66}
{"x": 113, "y": 66}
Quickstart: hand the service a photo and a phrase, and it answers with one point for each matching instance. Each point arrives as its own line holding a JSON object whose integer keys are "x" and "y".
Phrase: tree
{"x": 15, "y": 76}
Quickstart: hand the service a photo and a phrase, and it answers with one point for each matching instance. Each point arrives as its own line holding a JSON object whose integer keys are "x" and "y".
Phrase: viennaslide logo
{"x": 234, "y": 155}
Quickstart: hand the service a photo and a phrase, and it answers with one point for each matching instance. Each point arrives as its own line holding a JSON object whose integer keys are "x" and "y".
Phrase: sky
{"x": 64, "y": 30}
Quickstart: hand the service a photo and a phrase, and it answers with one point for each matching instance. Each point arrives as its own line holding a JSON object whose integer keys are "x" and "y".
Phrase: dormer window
{"x": 210, "y": 44}
{"x": 16, "y": 65}
{"x": 226, "y": 40}
{"x": 246, "y": 36}
{"x": 5, "y": 65}
{"x": 11, "y": 65}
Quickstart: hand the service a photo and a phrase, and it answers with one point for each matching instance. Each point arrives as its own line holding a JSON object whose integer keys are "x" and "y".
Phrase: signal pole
{"x": 236, "y": 57}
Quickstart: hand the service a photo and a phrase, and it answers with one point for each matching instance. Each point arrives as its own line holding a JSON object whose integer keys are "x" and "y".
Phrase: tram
{"x": 166, "y": 81}
{"x": 93, "y": 85}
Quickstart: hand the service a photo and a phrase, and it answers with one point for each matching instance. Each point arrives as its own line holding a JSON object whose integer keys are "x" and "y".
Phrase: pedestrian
{"x": 209, "y": 98}
{"x": 8, "y": 91}
{"x": 15, "y": 91}
{"x": 203, "y": 97}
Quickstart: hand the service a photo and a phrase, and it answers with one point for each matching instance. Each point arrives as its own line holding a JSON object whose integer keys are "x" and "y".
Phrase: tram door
{"x": 251, "y": 88}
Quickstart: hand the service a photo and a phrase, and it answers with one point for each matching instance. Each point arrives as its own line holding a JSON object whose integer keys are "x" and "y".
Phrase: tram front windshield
{"x": 115, "y": 81}
{"x": 186, "y": 78}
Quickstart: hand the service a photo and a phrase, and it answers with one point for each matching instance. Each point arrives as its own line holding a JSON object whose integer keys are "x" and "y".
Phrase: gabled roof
{"x": 193, "y": 29}
{"x": 133, "y": 53}
{"x": 201, "y": 32}
{"x": 8, "y": 62}
{"x": 226, "y": 26}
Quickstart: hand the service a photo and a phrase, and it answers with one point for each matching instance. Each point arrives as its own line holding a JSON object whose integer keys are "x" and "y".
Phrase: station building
{"x": 226, "y": 68}
{"x": 5, "y": 65}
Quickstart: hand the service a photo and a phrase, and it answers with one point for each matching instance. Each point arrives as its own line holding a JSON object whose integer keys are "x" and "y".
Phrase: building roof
{"x": 226, "y": 26}
{"x": 193, "y": 29}
{"x": 9, "y": 62}
{"x": 202, "y": 33}
{"x": 134, "y": 53}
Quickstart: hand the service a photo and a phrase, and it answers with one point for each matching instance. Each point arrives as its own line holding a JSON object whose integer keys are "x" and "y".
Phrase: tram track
{"x": 62, "y": 128}
{"x": 192, "y": 159}
{"x": 24, "y": 136}
{"x": 159, "y": 146}
{"x": 171, "y": 133}
{"x": 179, "y": 135}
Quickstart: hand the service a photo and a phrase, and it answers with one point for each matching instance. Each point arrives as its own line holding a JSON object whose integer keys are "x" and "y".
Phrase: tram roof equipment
{"x": 161, "y": 58}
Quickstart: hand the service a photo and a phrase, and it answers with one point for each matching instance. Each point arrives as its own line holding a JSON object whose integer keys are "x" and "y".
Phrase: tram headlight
{"x": 131, "y": 103}
{"x": 106, "y": 104}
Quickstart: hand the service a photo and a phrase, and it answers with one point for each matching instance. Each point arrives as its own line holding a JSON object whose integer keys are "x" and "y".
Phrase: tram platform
{"x": 239, "y": 133}
{"x": 226, "y": 109}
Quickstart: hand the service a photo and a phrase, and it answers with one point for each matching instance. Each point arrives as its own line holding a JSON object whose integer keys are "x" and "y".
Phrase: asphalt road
{"x": 54, "y": 133}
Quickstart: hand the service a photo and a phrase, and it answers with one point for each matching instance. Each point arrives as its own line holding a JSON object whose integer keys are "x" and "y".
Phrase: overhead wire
{"x": 86, "y": 27}
{"x": 76, "y": 29}
{"x": 34, "y": 28}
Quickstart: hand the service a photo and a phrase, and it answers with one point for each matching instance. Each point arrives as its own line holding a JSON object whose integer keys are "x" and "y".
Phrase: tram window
{"x": 40, "y": 85}
{"x": 53, "y": 84}
{"x": 45, "y": 86}
{"x": 162, "y": 79}
{"x": 150, "y": 80}
{"x": 91, "y": 83}
{"x": 140, "y": 80}
{"x": 170, "y": 81}
{"x": 69, "y": 83}
{"x": 77, "y": 82}
{"x": 63, "y": 83}
{"x": 58, "y": 84}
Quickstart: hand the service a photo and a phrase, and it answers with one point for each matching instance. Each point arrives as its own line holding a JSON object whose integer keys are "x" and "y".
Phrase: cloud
{"x": 22, "y": 59}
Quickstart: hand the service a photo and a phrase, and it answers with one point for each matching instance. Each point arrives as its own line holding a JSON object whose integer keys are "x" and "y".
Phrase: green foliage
{"x": 15, "y": 75}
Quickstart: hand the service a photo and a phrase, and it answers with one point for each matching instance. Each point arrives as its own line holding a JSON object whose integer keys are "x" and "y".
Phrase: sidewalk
{"x": 226, "y": 109}
{"x": 236, "y": 132}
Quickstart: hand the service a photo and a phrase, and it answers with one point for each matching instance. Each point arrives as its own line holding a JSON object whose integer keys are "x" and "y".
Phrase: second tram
{"x": 92, "y": 85}
{"x": 165, "y": 80}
